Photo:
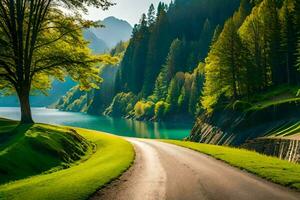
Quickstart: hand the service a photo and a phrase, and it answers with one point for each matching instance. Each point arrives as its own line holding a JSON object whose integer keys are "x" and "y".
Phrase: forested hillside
{"x": 96, "y": 100}
{"x": 254, "y": 53}
{"x": 251, "y": 89}
{"x": 232, "y": 55}
{"x": 160, "y": 75}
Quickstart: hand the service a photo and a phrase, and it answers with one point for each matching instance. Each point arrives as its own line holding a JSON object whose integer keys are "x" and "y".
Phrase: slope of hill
{"x": 97, "y": 45}
{"x": 28, "y": 150}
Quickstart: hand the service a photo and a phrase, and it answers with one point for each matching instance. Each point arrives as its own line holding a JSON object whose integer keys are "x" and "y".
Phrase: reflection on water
{"x": 118, "y": 126}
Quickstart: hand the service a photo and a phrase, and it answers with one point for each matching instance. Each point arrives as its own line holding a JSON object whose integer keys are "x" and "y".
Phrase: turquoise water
{"x": 117, "y": 126}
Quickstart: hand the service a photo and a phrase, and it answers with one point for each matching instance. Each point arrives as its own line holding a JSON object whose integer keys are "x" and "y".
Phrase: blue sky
{"x": 129, "y": 10}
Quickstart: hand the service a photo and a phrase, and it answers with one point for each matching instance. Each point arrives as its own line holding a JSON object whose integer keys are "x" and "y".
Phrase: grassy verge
{"x": 28, "y": 150}
{"x": 270, "y": 168}
{"x": 113, "y": 156}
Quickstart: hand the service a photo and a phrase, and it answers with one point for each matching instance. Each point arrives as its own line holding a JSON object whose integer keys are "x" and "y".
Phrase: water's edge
{"x": 117, "y": 126}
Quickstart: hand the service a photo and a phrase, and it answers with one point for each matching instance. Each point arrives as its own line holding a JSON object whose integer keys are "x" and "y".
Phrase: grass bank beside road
{"x": 112, "y": 156}
{"x": 270, "y": 168}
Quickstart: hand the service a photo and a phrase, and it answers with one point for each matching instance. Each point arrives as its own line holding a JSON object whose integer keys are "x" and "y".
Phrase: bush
{"x": 144, "y": 109}
{"x": 161, "y": 109}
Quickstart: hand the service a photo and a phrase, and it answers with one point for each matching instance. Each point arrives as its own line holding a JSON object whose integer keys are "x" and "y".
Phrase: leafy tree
{"x": 38, "y": 43}
{"x": 161, "y": 109}
{"x": 225, "y": 65}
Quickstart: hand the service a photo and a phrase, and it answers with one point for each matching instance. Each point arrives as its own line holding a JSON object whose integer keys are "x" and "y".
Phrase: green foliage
{"x": 122, "y": 104}
{"x": 175, "y": 90}
{"x": 245, "y": 59}
{"x": 111, "y": 158}
{"x": 172, "y": 41}
{"x": 196, "y": 90}
{"x": 40, "y": 43}
{"x": 144, "y": 109}
{"x": 98, "y": 99}
{"x": 270, "y": 168}
{"x": 161, "y": 109}
{"x": 74, "y": 100}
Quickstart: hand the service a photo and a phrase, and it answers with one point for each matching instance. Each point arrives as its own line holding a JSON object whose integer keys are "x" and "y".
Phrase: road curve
{"x": 164, "y": 171}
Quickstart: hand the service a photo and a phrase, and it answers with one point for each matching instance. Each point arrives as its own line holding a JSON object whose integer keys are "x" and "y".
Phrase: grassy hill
{"x": 33, "y": 149}
{"x": 50, "y": 162}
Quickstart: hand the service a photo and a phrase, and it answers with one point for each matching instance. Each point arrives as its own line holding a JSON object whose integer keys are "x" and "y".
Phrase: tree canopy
{"x": 39, "y": 42}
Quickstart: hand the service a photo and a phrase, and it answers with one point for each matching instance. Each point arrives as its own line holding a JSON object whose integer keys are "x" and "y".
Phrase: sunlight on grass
{"x": 112, "y": 157}
{"x": 271, "y": 168}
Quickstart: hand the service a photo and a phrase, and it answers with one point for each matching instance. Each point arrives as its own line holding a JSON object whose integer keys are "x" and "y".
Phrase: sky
{"x": 129, "y": 10}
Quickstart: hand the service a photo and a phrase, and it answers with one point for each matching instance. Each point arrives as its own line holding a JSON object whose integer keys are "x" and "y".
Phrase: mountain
{"x": 114, "y": 31}
{"x": 96, "y": 44}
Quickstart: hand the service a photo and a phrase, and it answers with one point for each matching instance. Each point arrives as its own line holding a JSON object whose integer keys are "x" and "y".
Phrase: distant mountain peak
{"x": 114, "y": 19}
{"x": 115, "y": 30}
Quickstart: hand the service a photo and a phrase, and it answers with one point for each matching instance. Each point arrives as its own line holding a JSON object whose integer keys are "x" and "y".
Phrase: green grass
{"x": 28, "y": 150}
{"x": 112, "y": 156}
{"x": 270, "y": 168}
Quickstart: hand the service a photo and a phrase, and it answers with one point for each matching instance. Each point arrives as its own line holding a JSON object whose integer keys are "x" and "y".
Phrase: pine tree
{"x": 216, "y": 34}
{"x": 272, "y": 26}
{"x": 158, "y": 45}
{"x": 175, "y": 90}
{"x": 253, "y": 37}
{"x": 196, "y": 88}
{"x": 151, "y": 15}
{"x": 184, "y": 98}
{"x": 161, "y": 85}
{"x": 297, "y": 25}
{"x": 225, "y": 67}
{"x": 288, "y": 42}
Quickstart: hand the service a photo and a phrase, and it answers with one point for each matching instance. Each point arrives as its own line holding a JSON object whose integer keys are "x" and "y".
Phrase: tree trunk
{"x": 26, "y": 117}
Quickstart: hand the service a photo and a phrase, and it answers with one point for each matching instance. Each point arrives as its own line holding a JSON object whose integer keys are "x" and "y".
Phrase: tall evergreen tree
{"x": 288, "y": 42}
{"x": 159, "y": 43}
{"x": 297, "y": 24}
{"x": 151, "y": 15}
{"x": 271, "y": 23}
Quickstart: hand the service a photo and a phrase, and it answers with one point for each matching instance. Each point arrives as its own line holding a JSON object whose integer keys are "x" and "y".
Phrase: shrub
{"x": 161, "y": 109}
{"x": 144, "y": 109}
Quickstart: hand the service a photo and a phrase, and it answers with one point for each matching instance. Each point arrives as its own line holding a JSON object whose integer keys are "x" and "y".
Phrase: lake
{"x": 117, "y": 126}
